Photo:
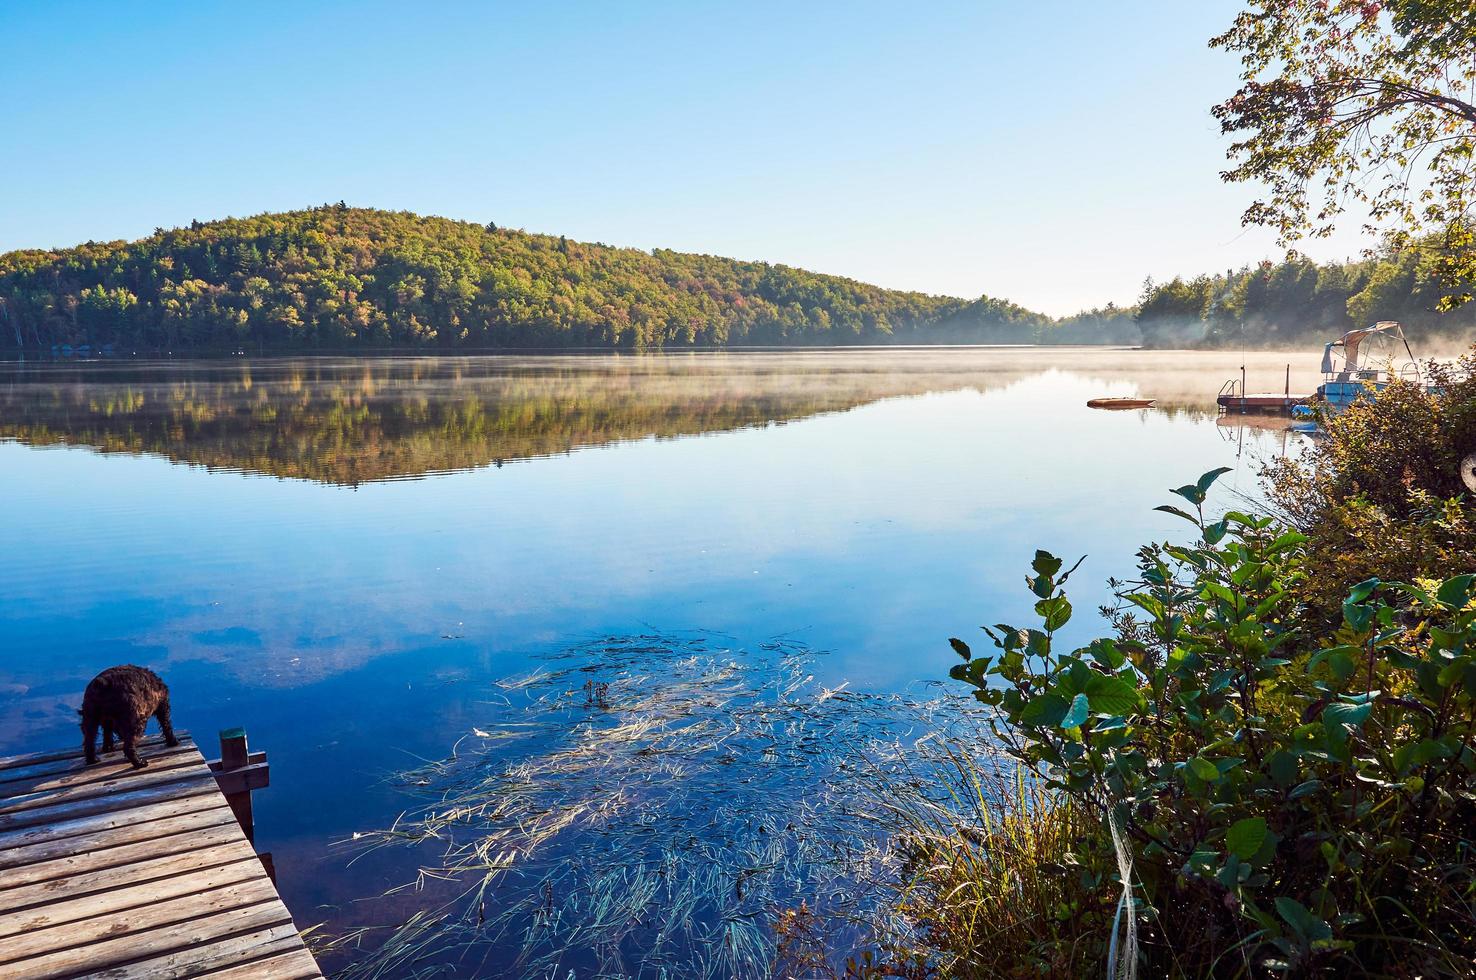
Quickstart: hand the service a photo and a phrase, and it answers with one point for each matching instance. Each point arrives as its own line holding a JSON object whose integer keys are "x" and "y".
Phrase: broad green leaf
{"x": 1204, "y": 769}
{"x": 1170, "y": 509}
{"x": 1047, "y": 710}
{"x": 1077, "y": 714}
{"x": 1427, "y": 676}
{"x": 1111, "y": 695}
{"x": 1202, "y": 863}
{"x": 1074, "y": 678}
{"x": 1009, "y": 638}
{"x": 1245, "y": 837}
{"x": 1288, "y": 540}
{"x": 1455, "y": 592}
{"x": 1056, "y": 612}
{"x": 1208, "y": 480}
{"x": 1422, "y": 752}
{"x": 1283, "y": 766}
{"x": 1231, "y": 873}
{"x": 960, "y": 647}
{"x": 1346, "y": 714}
{"x": 1305, "y": 789}
{"x": 1191, "y": 493}
{"x": 1339, "y": 659}
{"x": 1363, "y": 590}
{"x": 1446, "y": 639}
{"x": 1106, "y": 652}
{"x": 1305, "y": 924}
{"x": 1215, "y": 590}
{"x": 1357, "y": 616}
{"x": 1046, "y": 564}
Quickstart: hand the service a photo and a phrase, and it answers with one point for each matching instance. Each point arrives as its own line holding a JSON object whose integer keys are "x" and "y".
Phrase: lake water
{"x": 345, "y": 555}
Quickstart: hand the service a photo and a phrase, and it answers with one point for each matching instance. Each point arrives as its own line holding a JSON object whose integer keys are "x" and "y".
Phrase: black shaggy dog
{"x": 120, "y": 700}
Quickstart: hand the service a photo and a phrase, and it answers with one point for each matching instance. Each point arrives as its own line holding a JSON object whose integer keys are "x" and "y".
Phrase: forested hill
{"x": 337, "y": 277}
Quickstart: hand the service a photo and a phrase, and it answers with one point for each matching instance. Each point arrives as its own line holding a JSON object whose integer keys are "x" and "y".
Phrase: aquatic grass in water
{"x": 653, "y": 806}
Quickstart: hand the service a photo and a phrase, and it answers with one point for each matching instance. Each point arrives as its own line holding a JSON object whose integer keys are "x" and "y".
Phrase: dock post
{"x": 237, "y": 773}
{"x": 233, "y": 756}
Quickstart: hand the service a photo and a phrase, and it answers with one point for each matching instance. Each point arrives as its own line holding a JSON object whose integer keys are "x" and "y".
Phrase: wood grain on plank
{"x": 296, "y": 964}
{"x": 99, "y": 860}
{"x": 191, "y": 798}
{"x": 28, "y": 794}
{"x": 111, "y": 925}
{"x": 205, "y": 936}
{"x": 167, "y": 786}
{"x": 227, "y": 952}
{"x": 133, "y": 896}
{"x": 112, "y": 879}
{"x": 107, "y": 838}
{"x": 148, "y": 748}
{"x": 35, "y": 758}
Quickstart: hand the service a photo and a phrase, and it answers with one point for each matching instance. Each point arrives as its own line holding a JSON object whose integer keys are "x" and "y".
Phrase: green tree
{"x": 1357, "y": 101}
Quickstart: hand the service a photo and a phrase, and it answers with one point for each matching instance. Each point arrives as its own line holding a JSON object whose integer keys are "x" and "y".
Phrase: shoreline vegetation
{"x": 340, "y": 279}
{"x": 1267, "y": 766}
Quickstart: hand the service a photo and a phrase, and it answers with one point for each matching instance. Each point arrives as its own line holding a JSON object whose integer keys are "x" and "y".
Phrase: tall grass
{"x": 987, "y": 885}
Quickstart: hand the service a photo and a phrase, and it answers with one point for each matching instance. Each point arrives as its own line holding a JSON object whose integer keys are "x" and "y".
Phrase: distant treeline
{"x": 1298, "y": 302}
{"x": 337, "y": 277}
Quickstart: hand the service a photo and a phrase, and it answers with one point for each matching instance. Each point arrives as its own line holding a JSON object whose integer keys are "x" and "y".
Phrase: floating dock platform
{"x": 108, "y": 871}
{"x": 1266, "y": 403}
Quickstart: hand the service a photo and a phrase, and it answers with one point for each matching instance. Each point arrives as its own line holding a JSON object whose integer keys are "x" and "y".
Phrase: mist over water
{"x": 345, "y": 555}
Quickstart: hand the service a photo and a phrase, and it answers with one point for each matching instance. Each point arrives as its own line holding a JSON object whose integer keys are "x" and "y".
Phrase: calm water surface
{"x": 343, "y": 555}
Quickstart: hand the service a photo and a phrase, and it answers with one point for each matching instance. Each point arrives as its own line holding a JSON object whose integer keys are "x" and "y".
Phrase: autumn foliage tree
{"x": 1360, "y": 103}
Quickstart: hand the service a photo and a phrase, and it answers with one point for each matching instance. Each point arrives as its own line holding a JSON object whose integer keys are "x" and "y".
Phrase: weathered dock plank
{"x": 107, "y": 871}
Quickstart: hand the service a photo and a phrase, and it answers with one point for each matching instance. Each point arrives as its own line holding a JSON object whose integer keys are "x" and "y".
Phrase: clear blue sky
{"x": 1053, "y": 153}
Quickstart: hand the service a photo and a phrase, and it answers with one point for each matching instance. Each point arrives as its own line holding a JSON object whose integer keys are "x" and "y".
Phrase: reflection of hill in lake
{"x": 351, "y": 421}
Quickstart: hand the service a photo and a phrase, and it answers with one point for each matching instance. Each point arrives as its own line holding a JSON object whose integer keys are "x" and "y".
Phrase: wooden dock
{"x": 107, "y": 871}
{"x": 1263, "y": 403}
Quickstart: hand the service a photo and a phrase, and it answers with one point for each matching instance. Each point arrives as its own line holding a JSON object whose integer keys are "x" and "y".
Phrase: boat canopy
{"x": 1352, "y": 340}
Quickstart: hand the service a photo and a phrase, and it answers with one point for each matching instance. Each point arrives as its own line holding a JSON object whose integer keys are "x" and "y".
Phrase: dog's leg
{"x": 107, "y": 730}
{"x": 130, "y": 749}
{"x": 165, "y": 725}
{"x": 89, "y": 736}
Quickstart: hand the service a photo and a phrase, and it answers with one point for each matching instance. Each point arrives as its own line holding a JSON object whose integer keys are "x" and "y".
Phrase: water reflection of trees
{"x": 350, "y": 421}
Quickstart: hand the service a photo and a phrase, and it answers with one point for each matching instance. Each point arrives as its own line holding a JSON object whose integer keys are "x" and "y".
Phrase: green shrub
{"x": 1411, "y": 437}
{"x": 1382, "y": 494}
{"x": 1292, "y": 797}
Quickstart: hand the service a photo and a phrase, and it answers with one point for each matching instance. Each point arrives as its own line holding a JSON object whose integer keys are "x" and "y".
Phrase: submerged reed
{"x": 666, "y": 806}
